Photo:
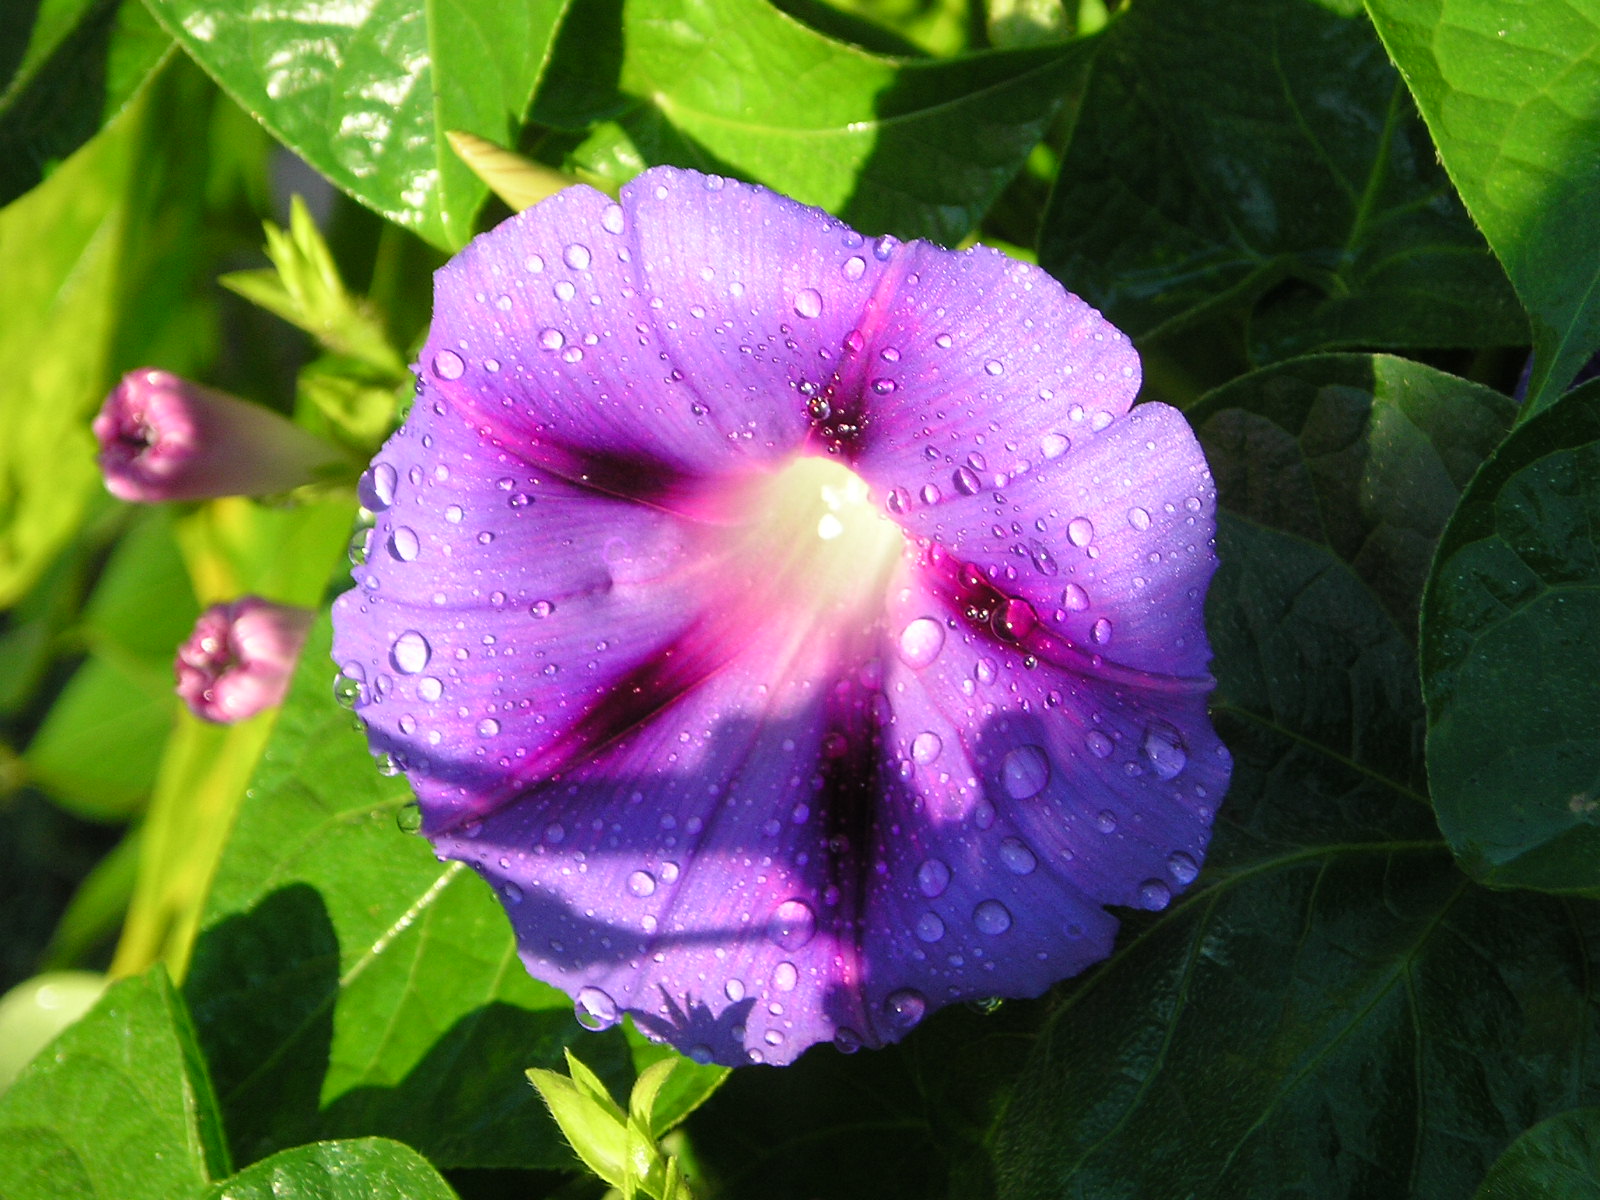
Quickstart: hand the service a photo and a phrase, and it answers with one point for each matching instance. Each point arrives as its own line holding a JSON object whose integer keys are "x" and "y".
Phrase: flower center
{"x": 815, "y": 536}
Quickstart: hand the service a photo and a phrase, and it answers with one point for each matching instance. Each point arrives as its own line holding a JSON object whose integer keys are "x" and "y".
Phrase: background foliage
{"x": 1335, "y": 231}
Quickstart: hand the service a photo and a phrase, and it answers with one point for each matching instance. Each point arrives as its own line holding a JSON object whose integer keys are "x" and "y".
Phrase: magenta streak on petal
{"x": 743, "y": 760}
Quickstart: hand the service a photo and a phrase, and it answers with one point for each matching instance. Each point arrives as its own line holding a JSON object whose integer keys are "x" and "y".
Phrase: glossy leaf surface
{"x": 1508, "y": 91}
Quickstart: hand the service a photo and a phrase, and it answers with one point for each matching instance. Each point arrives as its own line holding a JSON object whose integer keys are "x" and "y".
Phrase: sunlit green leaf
{"x": 347, "y": 984}
{"x": 365, "y": 93}
{"x": 117, "y": 1108}
{"x": 913, "y": 147}
{"x": 1508, "y": 91}
{"x": 359, "y": 1169}
{"x": 67, "y": 68}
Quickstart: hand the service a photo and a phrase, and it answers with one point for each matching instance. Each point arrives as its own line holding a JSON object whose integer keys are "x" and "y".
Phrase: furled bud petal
{"x": 239, "y": 658}
{"x": 164, "y": 438}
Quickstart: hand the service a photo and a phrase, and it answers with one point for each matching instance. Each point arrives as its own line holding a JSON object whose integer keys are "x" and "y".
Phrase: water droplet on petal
{"x": 854, "y": 267}
{"x": 991, "y": 917}
{"x": 611, "y": 218}
{"x": 511, "y": 892}
{"x": 377, "y": 487}
{"x": 410, "y": 652}
{"x": 540, "y": 609}
{"x": 966, "y": 482}
{"x": 734, "y": 990}
{"x": 642, "y": 884}
{"x": 1024, "y": 771}
{"x": 1014, "y": 620}
{"x": 932, "y": 878}
{"x": 994, "y": 366}
{"x": 942, "y": 341}
{"x": 594, "y": 1009}
{"x": 447, "y": 364}
{"x": 1105, "y": 821}
{"x": 1154, "y": 895}
{"x": 409, "y": 818}
{"x": 1183, "y": 868}
{"x": 905, "y": 1008}
{"x": 1163, "y": 747}
{"x": 1075, "y": 598}
{"x": 552, "y": 339}
{"x": 920, "y": 642}
{"x": 1054, "y": 445}
{"x": 577, "y": 256}
{"x": 1099, "y": 744}
{"x": 925, "y": 747}
{"x": 785, "y": 976}
{"x": 792, "y": 925}
{"x": 808, "y": 303}
{"x": 1139, "y": 519}
{"x": 1079, "y": 531}
{"x": 404, "y": 544}
{"x": 929, "y": 927}
{"x": 930, "y": 494}
{"x": 1016, "y": 856}
{"x": 1100, "y": 631}
{"x": 488, "y": 727}
{"x": 429, "y": 688}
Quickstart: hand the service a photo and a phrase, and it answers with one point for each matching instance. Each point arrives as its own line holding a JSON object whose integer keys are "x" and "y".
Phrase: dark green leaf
{"x": 366, "y": 93}
{"x": 918, "y": 148}
{"x": 1367, "y": 453}
{"x": 1335, "y": 1010}
{"x": 1558, "y": 1159}
{"x": 1239, "y": 156}
{"x": 346, "y": 983}
{"x": 117, "y": 1108}
{"x": 1509, "y": 93}
{"x": 360, "y": 1169}
{"x": 65, "y": 71}
{"x": 1510, "y": 643}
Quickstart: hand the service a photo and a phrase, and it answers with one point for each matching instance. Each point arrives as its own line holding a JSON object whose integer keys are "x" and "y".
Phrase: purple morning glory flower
{"x": 799, "y": 631}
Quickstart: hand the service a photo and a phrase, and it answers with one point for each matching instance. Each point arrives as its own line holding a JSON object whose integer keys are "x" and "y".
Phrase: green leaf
{"x": 346, "y": 983}
{"x": 1556, "y": 1158}
{"x": 1509, "y": 647}
{"x": 1260, "y": 159}
{"x": 1334, "y": 1004}
{"x": 69, "y": 69}
{"x": 115, "y": 223}
{"x": 118, "y": 1107}
{"x": 669, "y": 1089}
{"x": 99, "y": 747}
{"x": 359, "y": 1169}
{"x": 1508, "y": 91}
{"x": 918, "y": 148}
{"x": 366, "y": 93}
{"x": 1366, "y": 453}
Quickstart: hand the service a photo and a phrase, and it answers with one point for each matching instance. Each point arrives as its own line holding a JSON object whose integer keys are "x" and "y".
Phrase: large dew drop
{"x": 905, "y": 1008}
{"x": 793, "y": 924}
{"x": 594, "y": 1009}
{"x": 410, "y": 652}
{"x": 1024, "y": 772}
{"x": 808, "y": 303}
{"x": 991, "y": 917}
{"x": 1164, "y": 750}
{"x": 920, "y": 642}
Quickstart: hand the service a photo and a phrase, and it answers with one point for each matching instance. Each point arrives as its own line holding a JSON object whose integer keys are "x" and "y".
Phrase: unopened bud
{"x": 164, "y": 438}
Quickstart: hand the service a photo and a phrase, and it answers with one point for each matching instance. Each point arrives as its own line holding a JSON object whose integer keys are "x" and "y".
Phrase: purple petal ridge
{"x": 753, "y": 800}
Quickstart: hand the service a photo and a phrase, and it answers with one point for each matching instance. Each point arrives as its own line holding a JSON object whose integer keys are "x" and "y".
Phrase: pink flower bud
{"x": 164, "y": 438}
{"x": 239, "y": 658}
